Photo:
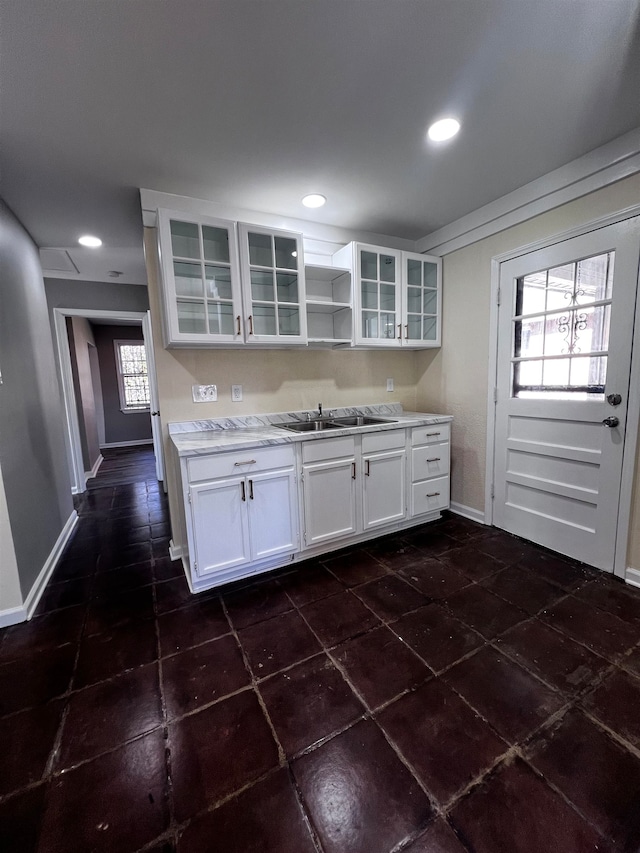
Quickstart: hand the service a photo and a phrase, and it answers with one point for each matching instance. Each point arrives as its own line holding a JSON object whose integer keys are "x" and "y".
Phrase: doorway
{"x": 73, "y": 431}
{"x": 565, "y": 325}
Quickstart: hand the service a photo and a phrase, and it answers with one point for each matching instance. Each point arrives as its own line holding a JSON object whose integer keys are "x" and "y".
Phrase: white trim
{"x": 597, "y": 169}
{"x": 126, "y": 443}
{"x": 632, "y": 576}
{"x": 176, "y": 552}
{"x": 12, "y": 616}
{"x": 40, "y": 583}
{"x": 467, "y": 512}
{"x": 493, "y": 382}
{"x": 88, "y": 475}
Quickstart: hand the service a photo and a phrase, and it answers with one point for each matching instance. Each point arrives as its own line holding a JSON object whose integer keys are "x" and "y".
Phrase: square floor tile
{"x": 602, "y": 632}
{"x": 616, "y": 703}
{"x": 309, "y": 702}
{"x": 390, "y": 597}
{"x": 42, "y": 633}
{"x": 278, "y": 643}
{"x": 339, "y": 617}
{"x": 597, "y": 775}
{"x": 515, "y": 811}
{"x": 523, "y": 589}
{"x": 355, "y": 567}
{"x": 436, "y": 636}
{"x": 107, "y": 714}
{"x": 434, "y": 578}
{"x": 430, "y": 540}
{"x": 20, "y": 819}
{"x": 512, "y": 700}
{"x": 256, "y": 603}
{"x": 203, "y": 674}
{"x": 116, "y": 803}
{"x": 439, "y": 838}
{"x": 108, "y": 612}
{"x": 104, "y": 655}
{"x": 484, "y": 611}
{"x": 552, "y": 656}
{"x": 166, "y": 569}
{"x": 310, "y": 583}
{"x": 446, "y": 743}
{"x": 565, "y": 573}
{"x": 506, "y": 548}
{"x": 472, "y": 562}
{"x": 191, "y": 625}
{"x": 121, "y": 580}
{"x": 246, "y": 823}
{"x": 65, "y": 594}
{"x": 218, "y": 751}
{"x": 360, "y": 796}
{"x": 27, "y": 739}
{"x": 394, "y": 552}
{"x": 615, "y": 598}
{"x": 379, "y": 666}
{"x": 35, "y": 679}
{"x": 631, "y": 661}
{"x": 172, "y": 594}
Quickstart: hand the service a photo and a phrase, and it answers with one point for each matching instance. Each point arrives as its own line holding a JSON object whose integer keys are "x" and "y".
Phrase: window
{"x": 133, "y": 380}
{"x": 561, "y": 330}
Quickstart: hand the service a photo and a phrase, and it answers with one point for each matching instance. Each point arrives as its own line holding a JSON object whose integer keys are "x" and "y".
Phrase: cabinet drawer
{"x": 429, "y": 495}
{"x": 429, "y": 461}
{"x": 430, "y": 434}
{"x": 388, "y": 440}
{"x": 328, "y": 448}
{"x": 245, "y": 462}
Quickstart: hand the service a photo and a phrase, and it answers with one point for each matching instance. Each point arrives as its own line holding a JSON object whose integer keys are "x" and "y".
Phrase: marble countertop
{"x": 195, "y": 438}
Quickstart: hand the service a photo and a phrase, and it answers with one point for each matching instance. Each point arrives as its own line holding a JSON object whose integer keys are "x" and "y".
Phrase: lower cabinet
{"x": 383, "y": 488}
{"x": 329, "y": 490}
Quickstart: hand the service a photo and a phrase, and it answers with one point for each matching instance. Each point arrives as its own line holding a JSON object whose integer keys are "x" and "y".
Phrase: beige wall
{"x": 272, "y": 380}
{"x": 455, "y": 379}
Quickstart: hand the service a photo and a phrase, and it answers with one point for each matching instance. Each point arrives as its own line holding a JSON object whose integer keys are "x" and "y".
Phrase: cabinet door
{"x": 202, "y": 303}
{"x": 377, "y": 296}
{"x": 422, "y": 309}
{"x": 273, "y": 517}
{"x": 329, "y": 497}
{"x": 383, "y": 489}
{"x": 220, "y": 525}
{"x": 274, "y": 286}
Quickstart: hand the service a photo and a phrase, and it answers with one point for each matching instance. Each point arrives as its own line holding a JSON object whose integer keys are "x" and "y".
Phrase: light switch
{"x": 204, "y": 393}
{"x": 389, "y": 384}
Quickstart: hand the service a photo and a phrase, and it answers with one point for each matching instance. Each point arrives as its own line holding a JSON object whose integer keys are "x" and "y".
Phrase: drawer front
{"x": 430, "y": 434}
{"x": 429, "y": 495}
{"x": 388, "y": 440}
{"x": 429, "y": 461}
{"x": 328, "y": 448}
{"x": 246, "y": 462}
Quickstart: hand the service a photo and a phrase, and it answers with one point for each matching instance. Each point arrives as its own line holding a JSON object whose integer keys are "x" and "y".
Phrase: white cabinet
{"x": 329, "y": 306}
{"x": 242, "y": 518}
{"x": 383, "y": 480}
{"x": 397, "y": 296}
{"x": 329, "y": 490}
{"x": 272, "y": 264}
{"x": 201, "y": 289}
{"x": 429, "y": 469}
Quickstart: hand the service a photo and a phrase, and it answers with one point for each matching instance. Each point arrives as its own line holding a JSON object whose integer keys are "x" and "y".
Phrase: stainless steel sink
{"x": 360, "y": 420}
{"x": 311, "y": 426}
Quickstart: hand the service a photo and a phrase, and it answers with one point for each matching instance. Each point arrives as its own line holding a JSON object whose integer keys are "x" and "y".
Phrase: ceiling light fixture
{"x": 89, "y": 241}
{"x": 314, "y": 200}
{"x": 443, "y": 129}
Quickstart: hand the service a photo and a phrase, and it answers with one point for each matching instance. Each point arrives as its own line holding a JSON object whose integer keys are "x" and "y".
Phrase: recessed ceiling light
{"x": 443, "y": 129}
{"x": 89, "y": 241}
{"x": 314, "y": 200}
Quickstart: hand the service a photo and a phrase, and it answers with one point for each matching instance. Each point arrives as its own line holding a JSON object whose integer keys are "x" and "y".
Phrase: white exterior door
{"x": 565, "y": 325}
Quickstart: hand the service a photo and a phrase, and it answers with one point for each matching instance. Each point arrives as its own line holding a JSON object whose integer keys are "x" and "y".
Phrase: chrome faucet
{"x": 319, "y": 410}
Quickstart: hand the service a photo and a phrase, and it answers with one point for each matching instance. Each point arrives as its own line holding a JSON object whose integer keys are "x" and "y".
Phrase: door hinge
{"x": 493, "y": 492}
{"x": 195, "y": 567}
{"x": 498, "y": 297}
{"x": 189, "y": 496}
{"x": 495, "y": 394}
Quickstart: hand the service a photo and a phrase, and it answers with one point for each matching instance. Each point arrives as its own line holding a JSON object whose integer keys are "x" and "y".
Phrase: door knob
{"x": 614, "y": 399}
{"x": 611, "y": 422}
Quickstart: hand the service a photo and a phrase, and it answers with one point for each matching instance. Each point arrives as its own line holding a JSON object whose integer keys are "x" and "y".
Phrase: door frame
{"x": 72, "y": 426}
{"x": 633, "y": 406}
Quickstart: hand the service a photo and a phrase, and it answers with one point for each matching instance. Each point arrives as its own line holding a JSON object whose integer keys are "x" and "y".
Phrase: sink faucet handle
{"x": 320, "y": 409}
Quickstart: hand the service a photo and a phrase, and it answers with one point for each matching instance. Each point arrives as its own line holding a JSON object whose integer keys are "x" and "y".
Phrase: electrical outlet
{"x": 204, "y": 393}
{"x": 236, "y": 393}
{"x": 389, "y": 384}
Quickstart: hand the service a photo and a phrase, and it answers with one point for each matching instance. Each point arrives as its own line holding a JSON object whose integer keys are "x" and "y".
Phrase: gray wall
{"x": 32, "y": 449}
{"x": 118, "y": 426}
{"x": 81, "y": 341}
{"x": 62, "y": 293}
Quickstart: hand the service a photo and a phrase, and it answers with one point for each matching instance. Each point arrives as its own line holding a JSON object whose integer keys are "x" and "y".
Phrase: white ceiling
{"x": 256, "y": 102}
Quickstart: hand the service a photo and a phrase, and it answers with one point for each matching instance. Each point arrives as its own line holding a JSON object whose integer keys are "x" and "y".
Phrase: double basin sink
{"x": 318, "y": 424}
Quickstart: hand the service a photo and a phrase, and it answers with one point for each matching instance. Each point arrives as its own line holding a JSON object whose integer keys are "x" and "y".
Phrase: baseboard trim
{"x": 51, "y": 562}
{"x": 12, "y": 615}
{"x": 88, "y": 475}
{"x": 632, "y": 577}
{"x": 126, "y": 443}
{"x": 468, "y": 512}
{"x": 176, "y": 552}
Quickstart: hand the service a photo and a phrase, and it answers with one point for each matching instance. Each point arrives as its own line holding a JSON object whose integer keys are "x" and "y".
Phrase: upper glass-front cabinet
{"x": 378, "y": 296}
{"x": 423, "y": 294}
{"x": 272, "y": 264}
{"x": 201, "y": 280}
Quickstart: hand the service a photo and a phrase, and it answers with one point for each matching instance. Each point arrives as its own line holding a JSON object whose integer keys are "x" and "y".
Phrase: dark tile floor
{"x": 446, "y": 689}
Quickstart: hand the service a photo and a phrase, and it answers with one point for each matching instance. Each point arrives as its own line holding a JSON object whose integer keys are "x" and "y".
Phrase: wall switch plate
{"x": 204, "y": 393}
{"x": 236, "y": 393}
{"x": 389, "y": 384}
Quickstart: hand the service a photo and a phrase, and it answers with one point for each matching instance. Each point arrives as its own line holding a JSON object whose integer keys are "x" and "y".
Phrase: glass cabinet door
{"x": 423, "y": 292}
{"x": 201, "y": 280}
{"x": 378, "y": 296}
{"x": 273, "y": 275}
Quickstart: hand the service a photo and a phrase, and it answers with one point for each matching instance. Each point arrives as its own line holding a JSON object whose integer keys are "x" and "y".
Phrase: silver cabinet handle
{"x": 435, "y": 459}
{"x": 248, "y": 462}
